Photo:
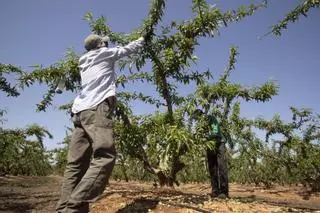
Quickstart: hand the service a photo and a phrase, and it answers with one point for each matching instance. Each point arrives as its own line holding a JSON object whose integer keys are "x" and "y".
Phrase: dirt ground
{"x": 40, "y": 194}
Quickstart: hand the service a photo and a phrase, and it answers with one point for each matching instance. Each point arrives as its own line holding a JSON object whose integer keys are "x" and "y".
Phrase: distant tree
{"x": 22, "y": 155}
{"x": 289, "y": 154}
{"x": 59, "y": 155}
{"x": 298, "y": 152}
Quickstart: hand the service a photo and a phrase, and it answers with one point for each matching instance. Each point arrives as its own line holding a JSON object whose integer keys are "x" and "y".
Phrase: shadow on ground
{"x": 20, "y": 194}
{"x": 143, "y": 199}
{"x": 139, "y": 206}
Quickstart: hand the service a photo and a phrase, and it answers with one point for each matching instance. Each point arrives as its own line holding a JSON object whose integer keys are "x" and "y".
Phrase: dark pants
{"x": 91, "y": 158}
{"x": 217, "y": 164}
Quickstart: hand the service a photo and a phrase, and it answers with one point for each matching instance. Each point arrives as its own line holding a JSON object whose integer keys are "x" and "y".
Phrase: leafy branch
{"x": 5, "y": 86}
{"x": 293, "y": 16}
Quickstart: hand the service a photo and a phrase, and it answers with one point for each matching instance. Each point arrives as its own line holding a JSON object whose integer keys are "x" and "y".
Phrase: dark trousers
{"x": 217, "y": 164}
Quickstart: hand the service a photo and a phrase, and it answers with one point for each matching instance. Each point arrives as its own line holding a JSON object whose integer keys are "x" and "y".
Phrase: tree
{"x": 222, "y": 99}
{"x": 171, "y": 51}
{"x": 289, "y": 154}
{"x": 59, "y": 155}
{"x": 299, "y": 150}
{"x": 165, "y": 141}
{"x": 22, "y": 155}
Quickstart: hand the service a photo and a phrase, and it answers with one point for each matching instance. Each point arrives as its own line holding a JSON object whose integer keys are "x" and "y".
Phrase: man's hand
{"x": 105, "y": 40}
{"x": 59, "y": 91}
{"x": 61, "y": 85}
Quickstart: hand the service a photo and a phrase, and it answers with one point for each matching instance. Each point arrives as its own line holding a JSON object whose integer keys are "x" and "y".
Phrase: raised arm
{"x": 132, "y": 47}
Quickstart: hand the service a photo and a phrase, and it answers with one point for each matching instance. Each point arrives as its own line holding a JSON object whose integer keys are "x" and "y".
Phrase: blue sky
{"x": 40, "y": 31}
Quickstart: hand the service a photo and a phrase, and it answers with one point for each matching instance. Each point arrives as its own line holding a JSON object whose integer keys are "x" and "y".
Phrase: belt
{"x": 111, "y": 101}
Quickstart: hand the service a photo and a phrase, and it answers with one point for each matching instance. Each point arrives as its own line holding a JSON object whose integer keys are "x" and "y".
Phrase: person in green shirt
{"x": 217, "y": 160}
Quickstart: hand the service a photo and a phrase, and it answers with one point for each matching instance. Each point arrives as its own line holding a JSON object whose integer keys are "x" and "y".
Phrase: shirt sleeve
{"x": 122, "y": 51}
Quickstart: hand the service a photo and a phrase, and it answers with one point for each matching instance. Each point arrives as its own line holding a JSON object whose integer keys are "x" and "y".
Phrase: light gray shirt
{"x": 98, "y": 76}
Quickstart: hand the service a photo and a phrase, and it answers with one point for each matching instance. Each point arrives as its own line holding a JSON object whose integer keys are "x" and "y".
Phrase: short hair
{"x": 92, "y": 42}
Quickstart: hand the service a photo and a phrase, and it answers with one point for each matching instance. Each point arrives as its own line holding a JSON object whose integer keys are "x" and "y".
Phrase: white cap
{"x": 93, "y": 41}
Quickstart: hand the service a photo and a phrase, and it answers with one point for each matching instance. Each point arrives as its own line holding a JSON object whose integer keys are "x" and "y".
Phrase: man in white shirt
{"x": 92, "y": 154}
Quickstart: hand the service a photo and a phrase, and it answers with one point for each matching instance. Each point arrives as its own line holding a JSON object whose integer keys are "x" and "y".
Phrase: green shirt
{"x": 214, "y": 126}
